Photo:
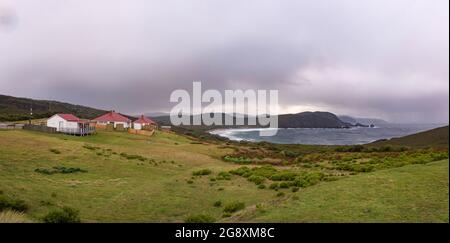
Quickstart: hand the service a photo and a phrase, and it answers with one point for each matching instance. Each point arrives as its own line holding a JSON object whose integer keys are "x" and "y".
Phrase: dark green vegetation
{"x": 7, "y": 203}
{"x": 59, "y": 169}
{"x": 65, "y": 215}
{"x": 233, "y": 207}
{"x": 202, "y": 172}
{"x": 16, "y": 109}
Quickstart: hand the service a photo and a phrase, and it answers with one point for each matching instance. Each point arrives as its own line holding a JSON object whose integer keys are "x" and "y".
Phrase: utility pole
{"x": 31, "y": 114}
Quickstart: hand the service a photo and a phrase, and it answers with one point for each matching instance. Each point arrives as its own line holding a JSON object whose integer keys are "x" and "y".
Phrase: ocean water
{"x": 327, "y": 136}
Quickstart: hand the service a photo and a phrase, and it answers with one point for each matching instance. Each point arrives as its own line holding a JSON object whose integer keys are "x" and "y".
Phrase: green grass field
{"x": 132, "y": 178}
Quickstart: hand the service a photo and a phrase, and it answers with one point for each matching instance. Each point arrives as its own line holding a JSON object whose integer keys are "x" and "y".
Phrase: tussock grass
{"x": 10, "y": 216}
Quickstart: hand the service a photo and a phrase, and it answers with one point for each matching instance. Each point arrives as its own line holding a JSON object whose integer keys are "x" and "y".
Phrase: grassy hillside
{"x": 413, "y": 193}
{"x": 119, "y": 177}
{"x": 435, "y": 137}
{"x": 116, "y": 188}
{"x": 16, "y": 109}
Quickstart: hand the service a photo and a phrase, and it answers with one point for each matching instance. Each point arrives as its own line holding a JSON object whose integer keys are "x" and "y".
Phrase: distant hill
{"x": 347, "y": 119}
{"x": 308, "y": 119}
{"x": 316, "y": 119}
{"x": 365, "y": 121}
{"x": 15, "y": 109}
{"x": 437, "y": 137}
{"x": 156, "y": 114}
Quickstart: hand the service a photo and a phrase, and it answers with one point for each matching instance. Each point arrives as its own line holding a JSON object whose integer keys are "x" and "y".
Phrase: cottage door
{"x": 60, "y": 125}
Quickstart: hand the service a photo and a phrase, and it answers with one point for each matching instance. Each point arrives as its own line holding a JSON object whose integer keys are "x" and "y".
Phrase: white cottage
{"x": 113, "y": 118}
{"x": 67, "y": 123}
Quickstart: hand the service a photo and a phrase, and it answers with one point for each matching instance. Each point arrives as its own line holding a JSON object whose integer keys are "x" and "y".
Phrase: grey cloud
{"x": 371, "y": 58}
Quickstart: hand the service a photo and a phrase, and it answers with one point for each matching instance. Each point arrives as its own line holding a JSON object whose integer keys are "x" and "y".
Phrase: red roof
{"x": 69, "y": 117}
{"x": 144, "y": 120}
{"x": 112, "y": 117}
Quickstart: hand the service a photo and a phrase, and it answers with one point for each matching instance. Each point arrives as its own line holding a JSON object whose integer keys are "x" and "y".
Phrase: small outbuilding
{"x": 143, "y": 123}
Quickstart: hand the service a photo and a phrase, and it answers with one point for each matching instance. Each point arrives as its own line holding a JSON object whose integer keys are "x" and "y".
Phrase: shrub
{"x": 218, "y": 203}
{"x": 233, "y": 207}
{"x": 240, "y": 171}
{"x": 273, "y": 186}
{"x": 256, "y": 179}
{"x": 66, "y": 215}
{"x": 265, "y": 171}
{"x": 59, "y": 169}
{"x": 133, "y": 156}
{"x": 308, "y": 179}
{"x": 280, "y": 194}
{"x": 237, "y": 160}
{"x": 261, "y": 186}
{"x": 223, "y": 176}
{"x": 202, "y": 172}
{"x": 201, "y": 218}
{"x": 12, "y": 204}
{"x": 385, "y": 149}
{"x": 55, "y": 151}
{"x": 288, "y": 153}
{"x": 284, "y": 185}
{"x": 283, "y": 176}
{"x": 294, "y": 189}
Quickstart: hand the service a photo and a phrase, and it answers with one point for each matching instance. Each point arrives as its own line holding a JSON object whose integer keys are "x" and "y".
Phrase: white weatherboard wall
{"x": 56, "y": 120}
{"x": 137, "y": 126}
{"x": 125, "y": 124}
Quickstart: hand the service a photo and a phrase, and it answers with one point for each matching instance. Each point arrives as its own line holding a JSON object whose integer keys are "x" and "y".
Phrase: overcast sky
{"x": 371, "y": 58}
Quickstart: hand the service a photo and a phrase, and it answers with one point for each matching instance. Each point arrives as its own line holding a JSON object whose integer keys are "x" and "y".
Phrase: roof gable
{"x": 143, "y": 120}
{"x": 69, "y": 117}
{"x": 112, "y": 117}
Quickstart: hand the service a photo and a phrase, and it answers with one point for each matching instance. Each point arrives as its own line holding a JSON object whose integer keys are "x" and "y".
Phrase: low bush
{"x": 66, "y": 215}
{"x": 289, "y": 154}
{"x": 133, "y": 156}
{"x": 237, "y": 160}
{"x": 273, "y": 186}
{"x": 202, "y": 172}
{"x": 201, "y": 218}
{"x": 59, "y": 169}
{"x": 218, "y": 203}
{"x": 280, "y": 194}
{"x": 261, "y": 186}
{"x": 240, "y": 171}
{"x": 223, "y": 176}
{"x": 7, "y": 203}
{"x": 256, "y": 179}
{"x": 264, "y": 171}
{"x": 283, "y": 176}
{"x": 284, "y": 185}
{"x": 55, "y": 151}
{"x": 233, "y": 207}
